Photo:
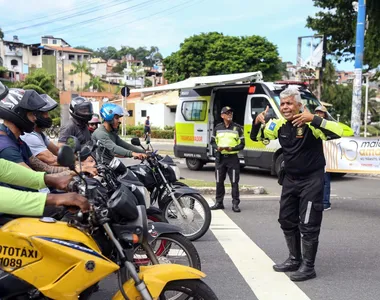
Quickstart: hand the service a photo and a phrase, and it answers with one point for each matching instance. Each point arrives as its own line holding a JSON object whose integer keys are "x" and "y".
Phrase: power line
{"x": 83, "y": 4}
{"x": 100, "y": 17}
{"x": 84, "y": 12}
{"x": 137, "y": 20}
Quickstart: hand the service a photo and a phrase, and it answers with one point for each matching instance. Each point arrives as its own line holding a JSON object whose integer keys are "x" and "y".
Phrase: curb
{"x": 258, "y": 190}
{"x": 168, "y": 141}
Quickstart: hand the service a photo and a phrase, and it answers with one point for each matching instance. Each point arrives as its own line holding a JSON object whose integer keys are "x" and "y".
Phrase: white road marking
{"x": 252, "y": 262}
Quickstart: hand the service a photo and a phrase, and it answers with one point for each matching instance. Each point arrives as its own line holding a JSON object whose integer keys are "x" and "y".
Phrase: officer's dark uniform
{"x": 227, "y": 161}
{"x": 301, "y": 202}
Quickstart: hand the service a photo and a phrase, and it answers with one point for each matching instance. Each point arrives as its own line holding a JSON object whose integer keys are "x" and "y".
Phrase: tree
{"x": 96, "y": 84}
{"x": 107, "y": 53}
{"x": 340, "y": 96}
{"x": 43, "y": 83}
{"x": 338, "y": 22}
{"x": 81, "y": 68}
{"x": 1, "y": 34}
{"x": 215, "y": 54}
{"x": 84, "y": 48}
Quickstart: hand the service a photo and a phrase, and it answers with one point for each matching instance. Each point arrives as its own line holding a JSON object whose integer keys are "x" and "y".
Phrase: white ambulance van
{"x": 198, "y": 111}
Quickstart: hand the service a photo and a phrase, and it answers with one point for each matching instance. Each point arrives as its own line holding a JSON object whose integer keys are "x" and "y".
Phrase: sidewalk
{"x": 157, "y": 141}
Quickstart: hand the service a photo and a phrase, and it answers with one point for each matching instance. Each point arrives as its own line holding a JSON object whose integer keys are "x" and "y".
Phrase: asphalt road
{"x": 239, "y": 250}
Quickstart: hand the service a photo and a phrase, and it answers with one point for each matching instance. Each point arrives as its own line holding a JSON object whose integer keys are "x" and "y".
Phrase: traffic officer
{"x": 301, "y": 206}
{"x": 227, "y": 141}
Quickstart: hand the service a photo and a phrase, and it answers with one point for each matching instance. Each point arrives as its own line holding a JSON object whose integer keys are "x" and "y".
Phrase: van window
{"x": 258, "y": 105}
{"x": 194, "y": 110}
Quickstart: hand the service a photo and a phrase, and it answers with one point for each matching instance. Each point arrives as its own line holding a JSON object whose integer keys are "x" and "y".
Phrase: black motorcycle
{"x": 181, "y": 205}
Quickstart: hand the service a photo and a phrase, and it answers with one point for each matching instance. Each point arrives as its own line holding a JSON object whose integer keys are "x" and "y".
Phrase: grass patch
{"x": 210, "y": 184}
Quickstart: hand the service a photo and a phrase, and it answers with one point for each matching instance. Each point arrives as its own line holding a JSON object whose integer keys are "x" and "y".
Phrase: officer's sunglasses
{"x": 228, "y": 113}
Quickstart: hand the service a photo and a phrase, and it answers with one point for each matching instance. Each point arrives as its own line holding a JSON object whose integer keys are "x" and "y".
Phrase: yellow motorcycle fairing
{"x": 156, "y": 277}
{"x": 60, "y": 261}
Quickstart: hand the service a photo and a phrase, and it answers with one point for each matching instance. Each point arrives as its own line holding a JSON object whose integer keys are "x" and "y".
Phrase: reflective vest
{"x": 228, "y": 138}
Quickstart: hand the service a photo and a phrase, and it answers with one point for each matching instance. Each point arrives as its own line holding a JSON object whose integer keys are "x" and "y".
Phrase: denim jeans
{"x": 326, "y": 195}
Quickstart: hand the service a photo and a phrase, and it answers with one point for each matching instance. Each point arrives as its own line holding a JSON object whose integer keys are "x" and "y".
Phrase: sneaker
{"x": 327, "y": 207}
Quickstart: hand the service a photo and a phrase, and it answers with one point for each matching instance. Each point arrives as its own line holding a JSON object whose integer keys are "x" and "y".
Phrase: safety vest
{"x": 228, "y": 138}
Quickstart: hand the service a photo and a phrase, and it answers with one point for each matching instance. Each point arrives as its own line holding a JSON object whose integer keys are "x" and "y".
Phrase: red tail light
{"x": 252, "y": 90}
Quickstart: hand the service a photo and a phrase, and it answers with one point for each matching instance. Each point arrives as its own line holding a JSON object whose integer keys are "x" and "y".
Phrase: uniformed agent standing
{"x": 227, "y": 140}
{"x": 301, "y": 204}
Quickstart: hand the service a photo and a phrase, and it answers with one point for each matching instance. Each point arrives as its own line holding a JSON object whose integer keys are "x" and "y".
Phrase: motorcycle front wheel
{"x": 170, "y": 248}
{"x": 194, "y": 289}
{"x": 198, "y": 215}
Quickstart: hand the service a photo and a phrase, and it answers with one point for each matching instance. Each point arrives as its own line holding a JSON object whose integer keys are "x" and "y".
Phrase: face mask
{"x": 44, "y": 122}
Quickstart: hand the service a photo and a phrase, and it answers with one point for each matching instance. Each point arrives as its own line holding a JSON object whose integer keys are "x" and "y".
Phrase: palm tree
{"x": 96, "y": 84}
{"x": 81, "y": 68}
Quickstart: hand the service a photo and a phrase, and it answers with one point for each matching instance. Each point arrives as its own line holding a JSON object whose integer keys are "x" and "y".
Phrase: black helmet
{"x": 51, "y": 104}
{"x": 81, "y": 109}
{"x": 16, "y": 104}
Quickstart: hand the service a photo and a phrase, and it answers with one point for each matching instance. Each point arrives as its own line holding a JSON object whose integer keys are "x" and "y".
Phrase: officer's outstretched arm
{"x": 325, "y": 130}
{"x": 269, "y": 131}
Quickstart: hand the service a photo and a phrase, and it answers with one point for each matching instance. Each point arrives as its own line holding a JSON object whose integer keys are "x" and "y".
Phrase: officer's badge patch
{"x": 272, "y": 126}
{"x": 299, "y": 132}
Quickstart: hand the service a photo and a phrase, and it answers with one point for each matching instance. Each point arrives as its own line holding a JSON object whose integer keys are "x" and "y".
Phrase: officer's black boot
{"x": 306, "y": 270}
{"x": 294, "y": 260}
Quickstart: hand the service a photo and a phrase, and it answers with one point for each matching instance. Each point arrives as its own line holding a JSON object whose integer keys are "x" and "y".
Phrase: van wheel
{"x": 277, "y": 165}
{"x": 194, "y": 164}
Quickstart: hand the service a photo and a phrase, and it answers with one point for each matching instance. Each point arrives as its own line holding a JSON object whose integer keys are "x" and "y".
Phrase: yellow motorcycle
{"x": 47, "y": 259}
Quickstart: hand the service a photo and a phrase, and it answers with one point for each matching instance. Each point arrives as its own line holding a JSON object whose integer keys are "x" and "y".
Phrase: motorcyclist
{"x": 18, "y": 110}
{"x": 107, "y": 134}
{"x": 81, "y": 112}
{"x": 40, "y": 145}
{"x": 16, "y": 202}
{"x": 93, "y": 124}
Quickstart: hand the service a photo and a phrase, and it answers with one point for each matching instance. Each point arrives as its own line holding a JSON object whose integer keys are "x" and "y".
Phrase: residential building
{"x": 344, "y": 77}
{"x": 12, "y": 57}
{"x": 98, "y": 67}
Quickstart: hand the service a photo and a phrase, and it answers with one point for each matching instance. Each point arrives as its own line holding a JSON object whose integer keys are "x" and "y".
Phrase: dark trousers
{"x": 227, "y": 164}
{"x": 301, "y": 205}
{"x": 326, "y": 197}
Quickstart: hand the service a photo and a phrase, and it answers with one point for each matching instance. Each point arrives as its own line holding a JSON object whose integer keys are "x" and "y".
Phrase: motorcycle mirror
{"x": 66, "y": 157}
{"x": 85, "y": 153}
{"x": 135, "y": 141}
{"x": 73, "y": 143}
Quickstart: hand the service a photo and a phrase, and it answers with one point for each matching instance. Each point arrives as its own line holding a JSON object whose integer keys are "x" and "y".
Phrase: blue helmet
{"x": 109, "y": 110}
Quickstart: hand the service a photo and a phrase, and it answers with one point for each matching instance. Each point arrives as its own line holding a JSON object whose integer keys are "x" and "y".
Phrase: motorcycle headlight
{"x": 143, "y": 190}
{"x": 177, "y": 172}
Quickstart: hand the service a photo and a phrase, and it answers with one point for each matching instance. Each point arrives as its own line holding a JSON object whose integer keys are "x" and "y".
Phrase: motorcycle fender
{"x": 153, "y": 210}
{"x": 161, "y": 228}
{"x": 156, "y": 277}
{"x": 178, "y": 192}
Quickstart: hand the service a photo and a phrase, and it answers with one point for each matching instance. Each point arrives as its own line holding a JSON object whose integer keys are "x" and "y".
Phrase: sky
{"x": 161, "y": 23}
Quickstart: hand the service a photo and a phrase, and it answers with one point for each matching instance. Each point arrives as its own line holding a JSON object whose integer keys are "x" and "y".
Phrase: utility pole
{"x": 359, "y": 54}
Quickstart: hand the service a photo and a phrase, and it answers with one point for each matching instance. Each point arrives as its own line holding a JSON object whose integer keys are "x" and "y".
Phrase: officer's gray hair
{"x": 291, "y": 92}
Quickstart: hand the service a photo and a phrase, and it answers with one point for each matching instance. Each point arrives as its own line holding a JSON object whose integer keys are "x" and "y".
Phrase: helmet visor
{"x": 3, "y": 91}
{"x": 31, "y": 101}
{"x": 84, "y": 109}
{"x": 50, "y": 103}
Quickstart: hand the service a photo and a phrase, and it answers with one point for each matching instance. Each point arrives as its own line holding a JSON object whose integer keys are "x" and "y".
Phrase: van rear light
{"x": 252, "y": 90}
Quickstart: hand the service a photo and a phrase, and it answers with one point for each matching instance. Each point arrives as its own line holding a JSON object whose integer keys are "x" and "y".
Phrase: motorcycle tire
{"x": 191, "y": 288}
{"x": 184, "y": 243}
{"x": 207, "y": 217}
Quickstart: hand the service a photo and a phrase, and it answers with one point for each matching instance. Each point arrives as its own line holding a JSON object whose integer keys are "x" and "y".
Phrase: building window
{"x": 71, "y": 57}
{"x": 143, "y": 113}
{"x": 194, "y": 110}
{"x": 14, "y": 62}
{"x": 85, "y": 56}
{"x": 44, "y": 41}
{"x": 173, "y": 109}
{"x": 54, "y": 42}
{"x": 130, "y": 112}
{"x": 72, "y": 83}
